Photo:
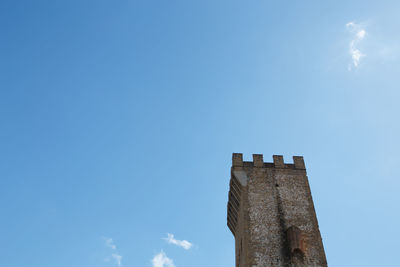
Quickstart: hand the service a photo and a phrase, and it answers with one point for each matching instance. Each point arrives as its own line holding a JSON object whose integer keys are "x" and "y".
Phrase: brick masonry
{"x": 271, "y": 214}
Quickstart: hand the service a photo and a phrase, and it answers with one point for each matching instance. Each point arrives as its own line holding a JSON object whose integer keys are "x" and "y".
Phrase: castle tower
{"x": 271, "y": 214}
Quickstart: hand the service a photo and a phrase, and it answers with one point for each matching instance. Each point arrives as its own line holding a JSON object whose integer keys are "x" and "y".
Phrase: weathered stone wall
{"x": 272, "y": 216}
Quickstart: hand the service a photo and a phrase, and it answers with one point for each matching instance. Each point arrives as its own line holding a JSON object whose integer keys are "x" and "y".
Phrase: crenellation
{"x": 237, "y": 160}
{"x": 258, "y": 160}
{"x": 299, "y": 162}
{"x": 278, "y": 161}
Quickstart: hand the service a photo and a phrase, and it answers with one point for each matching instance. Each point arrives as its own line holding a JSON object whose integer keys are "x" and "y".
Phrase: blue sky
{"x": 118, "y": 120}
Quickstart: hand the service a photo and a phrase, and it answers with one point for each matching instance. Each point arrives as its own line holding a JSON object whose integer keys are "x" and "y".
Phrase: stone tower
{"x": 271, "y": 214}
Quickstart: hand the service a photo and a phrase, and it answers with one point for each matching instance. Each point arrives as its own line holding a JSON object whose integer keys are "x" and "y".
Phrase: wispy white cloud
{"x": 161, "y": 260}
{"x": 117, "y": 258}
{"x": 181, "y": 243}
{"x": 110, "y": 243}
{"x": 358, "y": 31}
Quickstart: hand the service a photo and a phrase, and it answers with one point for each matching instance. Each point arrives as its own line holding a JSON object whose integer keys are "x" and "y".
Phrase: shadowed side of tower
{"x": 271, "y": 214}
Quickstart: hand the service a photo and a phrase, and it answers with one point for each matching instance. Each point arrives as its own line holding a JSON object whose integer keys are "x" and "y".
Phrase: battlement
{"x": 258, "y": 162}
